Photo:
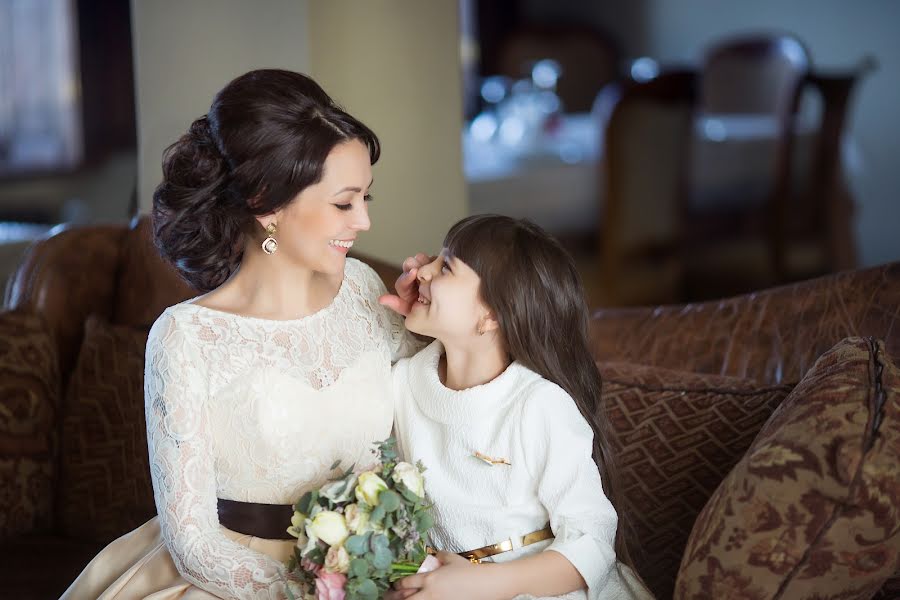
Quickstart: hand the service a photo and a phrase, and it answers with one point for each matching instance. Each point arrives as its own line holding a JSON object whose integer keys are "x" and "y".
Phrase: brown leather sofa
{"x": 73, "y": 465}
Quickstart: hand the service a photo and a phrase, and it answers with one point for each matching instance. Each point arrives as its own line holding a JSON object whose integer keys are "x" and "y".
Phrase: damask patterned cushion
{"x": 29, "y": 396}
{"x": 813, "y": 508}
{"x": 105, "y": 487}
{"x": 681, "y": 433}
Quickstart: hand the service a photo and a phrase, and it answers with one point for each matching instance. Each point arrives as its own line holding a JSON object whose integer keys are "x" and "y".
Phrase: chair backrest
{"x": 589, "y": 60}
{"x": 759, "y": 74}
{"x": 645, "y": 161}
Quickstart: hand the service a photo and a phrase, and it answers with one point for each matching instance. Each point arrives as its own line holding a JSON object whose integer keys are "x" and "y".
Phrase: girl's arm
{"x": 543, "y": 574}
{"x": 559, "y": 446}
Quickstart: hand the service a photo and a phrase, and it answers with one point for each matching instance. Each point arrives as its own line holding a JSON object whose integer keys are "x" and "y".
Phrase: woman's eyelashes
{"x": 349, "y": 205}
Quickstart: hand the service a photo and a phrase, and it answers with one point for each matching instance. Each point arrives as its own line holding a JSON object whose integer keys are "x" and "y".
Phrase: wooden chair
{"x": 741, "y": 246}
{"x": 588, "y": 58}
{"x": 644, "y": 171}
{"x": 819, "y": 226}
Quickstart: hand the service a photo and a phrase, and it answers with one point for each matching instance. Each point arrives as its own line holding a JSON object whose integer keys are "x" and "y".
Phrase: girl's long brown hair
{"x": 533, "y": 287}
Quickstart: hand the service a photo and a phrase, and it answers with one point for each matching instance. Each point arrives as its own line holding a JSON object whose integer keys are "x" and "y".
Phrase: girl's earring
{"x": 270, "y": 244}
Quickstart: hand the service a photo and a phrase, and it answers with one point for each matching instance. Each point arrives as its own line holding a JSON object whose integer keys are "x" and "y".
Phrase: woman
{"x": 256, "y": 388}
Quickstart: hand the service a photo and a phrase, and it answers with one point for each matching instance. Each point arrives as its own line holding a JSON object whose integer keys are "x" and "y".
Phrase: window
{"x": 40, "y": 114}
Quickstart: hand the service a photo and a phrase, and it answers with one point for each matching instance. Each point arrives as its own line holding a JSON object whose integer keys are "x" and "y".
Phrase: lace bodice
{"x": 258, "y": 410}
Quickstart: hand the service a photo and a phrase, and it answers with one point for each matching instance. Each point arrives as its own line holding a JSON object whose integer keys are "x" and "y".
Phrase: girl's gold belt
{"x": 514, "y": 543}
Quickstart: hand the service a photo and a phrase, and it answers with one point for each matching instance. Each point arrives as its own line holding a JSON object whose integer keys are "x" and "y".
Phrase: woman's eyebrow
{"x": 353, "y": 189}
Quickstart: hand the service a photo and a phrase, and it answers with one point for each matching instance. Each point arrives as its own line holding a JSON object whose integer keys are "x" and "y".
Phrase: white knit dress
{"x": 536, "y": 426}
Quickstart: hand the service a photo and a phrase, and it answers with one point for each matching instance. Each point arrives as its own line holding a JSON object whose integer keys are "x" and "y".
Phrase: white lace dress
{"x": 253, "y": 410}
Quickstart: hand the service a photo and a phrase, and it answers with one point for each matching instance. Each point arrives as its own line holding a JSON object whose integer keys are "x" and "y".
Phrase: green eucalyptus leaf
{"x": 383, "y": 559}
{"x": 377, "y": 514}
{"x": 304, "y": 503}
{"x": 357, "y": 545}
{"x": 389, "y": 500}
{"x": 367, "y": 589}
{"x": 359, "y": 568}
{"x": 424, "y": 521}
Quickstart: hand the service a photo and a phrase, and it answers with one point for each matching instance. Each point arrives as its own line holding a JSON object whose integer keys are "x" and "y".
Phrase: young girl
{"x": 503, "y": 409}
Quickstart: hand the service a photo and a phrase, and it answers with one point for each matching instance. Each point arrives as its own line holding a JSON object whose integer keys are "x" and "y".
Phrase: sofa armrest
{"x": 29, "y": 405}
{"x": 65, "y": 278}
{"x": 772, "y": 336}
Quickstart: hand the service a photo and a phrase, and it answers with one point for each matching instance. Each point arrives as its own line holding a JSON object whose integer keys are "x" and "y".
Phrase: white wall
{"x": 186, "y": 51}
{"x": 838, "y": 34}
{"x": 395, "y": 65}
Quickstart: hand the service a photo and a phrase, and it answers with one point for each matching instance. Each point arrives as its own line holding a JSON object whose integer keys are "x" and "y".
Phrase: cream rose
{"x": 337, "y": 560}
{"x": 369, "y": 488}
{"x": 357, "y": 518}
{"x": 409, "y": 476}
{"x": 330, "y": 527}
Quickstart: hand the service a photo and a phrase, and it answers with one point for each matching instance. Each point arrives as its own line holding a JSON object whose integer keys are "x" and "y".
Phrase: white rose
{"x": 330, "y": 527}
{"x": 369, "y": 488}
{"x": 357, "y": 518}
{"x": 337, "y": 560}
{"x": 409, "y": 476}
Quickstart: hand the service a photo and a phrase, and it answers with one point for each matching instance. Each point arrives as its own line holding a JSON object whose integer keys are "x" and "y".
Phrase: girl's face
{"x": 449, "y": 306}
{"x": 317, "y": 228}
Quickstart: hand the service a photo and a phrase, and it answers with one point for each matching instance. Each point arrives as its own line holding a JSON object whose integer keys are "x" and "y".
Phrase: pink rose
{"x": 310, "y": 566}
{"x": 330, "y": 586}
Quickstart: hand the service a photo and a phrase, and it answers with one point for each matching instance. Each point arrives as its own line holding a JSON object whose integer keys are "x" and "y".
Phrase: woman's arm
{"x": 183, "y": 474}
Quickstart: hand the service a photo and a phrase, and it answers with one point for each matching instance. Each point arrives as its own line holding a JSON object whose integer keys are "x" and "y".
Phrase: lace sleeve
{"x": 182, "y": 470}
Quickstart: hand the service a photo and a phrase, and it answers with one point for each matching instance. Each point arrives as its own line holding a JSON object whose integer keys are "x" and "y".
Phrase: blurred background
{"x": 681, "y": 151}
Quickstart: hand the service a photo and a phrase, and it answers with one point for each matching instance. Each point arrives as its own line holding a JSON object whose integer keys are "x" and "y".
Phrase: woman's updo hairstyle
{"x": 264, "y": 140}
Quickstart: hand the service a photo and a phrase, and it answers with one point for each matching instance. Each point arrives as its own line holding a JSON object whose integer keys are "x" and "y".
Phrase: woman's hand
{"x": 407, "y": 286}
{"x": 456, "y": 578}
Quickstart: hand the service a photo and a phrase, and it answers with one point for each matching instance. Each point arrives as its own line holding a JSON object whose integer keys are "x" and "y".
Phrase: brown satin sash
{"x": 267, "y": 521}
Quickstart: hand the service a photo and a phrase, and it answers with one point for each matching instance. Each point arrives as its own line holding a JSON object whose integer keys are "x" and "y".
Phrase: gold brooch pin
{"x": 491, "y": 460}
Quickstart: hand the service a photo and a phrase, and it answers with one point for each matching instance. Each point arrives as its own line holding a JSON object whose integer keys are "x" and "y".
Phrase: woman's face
{"x": 449, "y": 306}
{"x": 318, "y": 227}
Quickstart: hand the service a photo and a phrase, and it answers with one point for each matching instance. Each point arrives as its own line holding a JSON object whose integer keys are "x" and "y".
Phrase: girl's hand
{"x": 456, "y": 578}
{"x": 407, "y": 286}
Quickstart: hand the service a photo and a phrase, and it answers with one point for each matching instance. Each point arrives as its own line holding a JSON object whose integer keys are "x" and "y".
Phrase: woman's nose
{"x": 361, "y": 220}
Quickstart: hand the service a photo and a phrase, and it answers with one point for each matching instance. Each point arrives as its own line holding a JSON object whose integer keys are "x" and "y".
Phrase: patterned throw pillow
{"x": 29, "y": 396}
{"x": 681, "y": 433}
{"x": 813, "y": 508}
{"x": 105, "y": 487}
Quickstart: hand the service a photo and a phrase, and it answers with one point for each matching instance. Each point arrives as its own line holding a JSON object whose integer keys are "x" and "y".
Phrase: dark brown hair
{"x": 265, "y": 139}
{"x": 531, "y": 284}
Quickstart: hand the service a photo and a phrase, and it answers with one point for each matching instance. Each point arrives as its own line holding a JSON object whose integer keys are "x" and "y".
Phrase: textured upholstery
{"x": 772, "y": 336}
{"x": 812, "y": 511}
{"x": 29, "y": 400}
{"x": 680, "y": 434}
{"x": 104, "y": 465}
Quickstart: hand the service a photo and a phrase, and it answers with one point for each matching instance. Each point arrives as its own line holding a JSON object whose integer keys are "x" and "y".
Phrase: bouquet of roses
{"x": 361, "y": 531}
